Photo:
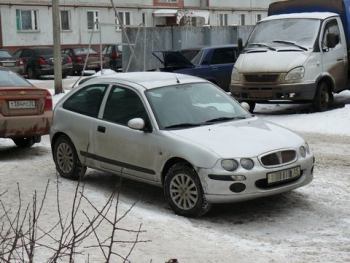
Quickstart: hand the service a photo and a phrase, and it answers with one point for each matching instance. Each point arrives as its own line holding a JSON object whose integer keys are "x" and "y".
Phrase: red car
{"x": 25, "y": 110}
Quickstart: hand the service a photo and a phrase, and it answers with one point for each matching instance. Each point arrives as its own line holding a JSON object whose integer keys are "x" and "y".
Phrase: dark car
{"x": 39, "y": 61}
{"x": 213, "y": 63}
{"x": 113, "y": 56}
{"x": 79, "y": 56}
{"x": 10, "y": 62}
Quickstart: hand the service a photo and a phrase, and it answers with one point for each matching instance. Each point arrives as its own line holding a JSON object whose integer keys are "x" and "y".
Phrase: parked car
{"x": 113, "y": 56}
{"x": 213, "y": 63}
{"x": 79, "y": 55}
{"x": 38, "y": 61}
{"x": 179, "y": 132}
{"x": 25, "y": 110}
{"x": 8, "y": 61}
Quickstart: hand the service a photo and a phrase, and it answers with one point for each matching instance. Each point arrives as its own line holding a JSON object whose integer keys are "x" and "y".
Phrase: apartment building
{"x": 29, "y": 22}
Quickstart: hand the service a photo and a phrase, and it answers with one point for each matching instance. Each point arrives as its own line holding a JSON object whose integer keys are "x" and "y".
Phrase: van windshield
{"x": 281, "y": 32}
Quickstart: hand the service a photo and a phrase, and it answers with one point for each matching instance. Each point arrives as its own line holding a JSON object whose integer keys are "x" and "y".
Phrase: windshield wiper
{"x": 182, "y": 125}
{"x": 290, "y": 43}
{"x": 225, "y": 119}
{"x": 262, "y": 45}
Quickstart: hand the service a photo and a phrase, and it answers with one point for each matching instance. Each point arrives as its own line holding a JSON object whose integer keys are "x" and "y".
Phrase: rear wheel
{"x": 24, "y": 142}
{"x": 66, "y": 159}
{"x": 252, "y": 105}
{"x": 323, "y": 98}
{"x": 183, "y": 190}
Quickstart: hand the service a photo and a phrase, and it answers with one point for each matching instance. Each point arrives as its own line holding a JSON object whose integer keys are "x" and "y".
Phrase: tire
{"x": 323, "y": 98}
{"x": 66, "y": 159}
{"x": 31, "y": 73}
{"x": 24, "y": 142}
{"x": 179, "y": 180}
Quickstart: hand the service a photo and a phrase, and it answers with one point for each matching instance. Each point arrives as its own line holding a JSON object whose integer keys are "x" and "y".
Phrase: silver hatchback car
{"x": 179, "y": 132}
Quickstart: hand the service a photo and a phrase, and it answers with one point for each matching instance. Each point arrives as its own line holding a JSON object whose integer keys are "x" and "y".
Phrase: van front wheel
{"x": 323, "y": 98}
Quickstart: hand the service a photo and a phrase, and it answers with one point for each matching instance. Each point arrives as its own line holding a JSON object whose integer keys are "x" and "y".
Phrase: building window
{"x": 65, "y": 20}
{"x": 144, "y": 19}
{"x": 258, "y": 17}
{"x": 167, "y": 1}
{"x": 125, "y": 18}
{"x": 223, "y": 19}
{"x": 242, "y": 19}
{"x": 92, "y": 20}
{"x": 27, "y": 19}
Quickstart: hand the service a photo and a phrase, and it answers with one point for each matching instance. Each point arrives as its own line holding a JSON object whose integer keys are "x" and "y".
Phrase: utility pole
{"x": 56, "y": 29}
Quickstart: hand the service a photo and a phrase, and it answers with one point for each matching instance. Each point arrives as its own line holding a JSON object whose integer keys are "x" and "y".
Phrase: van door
{"x": 334, "y": 59}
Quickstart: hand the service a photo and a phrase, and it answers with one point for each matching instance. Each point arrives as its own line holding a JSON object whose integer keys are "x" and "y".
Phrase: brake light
{"x": 79, "y": 59}
{"x": 69, "y": 59}
{"x": 48, "y": 101}
{"x": 42, "y": 61}
{"x": 115, "y": 55}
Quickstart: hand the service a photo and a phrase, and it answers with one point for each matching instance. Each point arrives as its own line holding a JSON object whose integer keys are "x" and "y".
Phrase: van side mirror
{"x": 332, "y": 40}
{"x": 240, "y": 45}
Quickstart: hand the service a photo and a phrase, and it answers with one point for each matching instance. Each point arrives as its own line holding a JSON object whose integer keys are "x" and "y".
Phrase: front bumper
{"x": 217, "y": 191}
{"x": 297, "y": 92}
{"x": 25, "y": 126}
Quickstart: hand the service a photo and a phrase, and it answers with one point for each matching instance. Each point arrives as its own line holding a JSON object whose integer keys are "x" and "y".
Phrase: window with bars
{"x": 125, "y": 18}
{"x": 27, "y": 20}
{"x": 223, "y": 19}
{"x": 65, "y": 20}
{"x": 92, "y": 20}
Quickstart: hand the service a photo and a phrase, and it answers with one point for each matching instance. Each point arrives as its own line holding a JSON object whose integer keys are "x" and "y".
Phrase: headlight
{"x": 247, "y": 163}
{"x": 295, "y": 74}
{"x": 302, "y": 151}
{"x": 229, "y": 164}
{"x": 235, "y": 76}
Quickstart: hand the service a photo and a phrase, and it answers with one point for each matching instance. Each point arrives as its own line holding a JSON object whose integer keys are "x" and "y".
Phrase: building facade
{"x": 29, "y": 22}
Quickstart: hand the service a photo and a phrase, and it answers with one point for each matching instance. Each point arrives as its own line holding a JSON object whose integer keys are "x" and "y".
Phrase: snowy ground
{"x": 311, "y": 224}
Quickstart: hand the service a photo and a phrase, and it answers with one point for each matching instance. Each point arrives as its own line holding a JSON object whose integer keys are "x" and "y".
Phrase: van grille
{"x": 278, "y": 158}
{"x": 261, "y": 77}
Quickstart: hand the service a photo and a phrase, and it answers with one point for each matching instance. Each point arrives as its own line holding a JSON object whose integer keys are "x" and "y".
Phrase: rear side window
{"x": 87, "y": 101}
{"x": 123, "y": 105}
{"x": 4, "y": 54}
{"x": 27, "y": 53}
{"x": 223, "y": 56}
{"x": 11, "y": 79}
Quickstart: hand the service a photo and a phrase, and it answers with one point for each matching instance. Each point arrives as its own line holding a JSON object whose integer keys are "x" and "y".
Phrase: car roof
{"x": 309, "y": 15}
{"x": 149, "y": 80}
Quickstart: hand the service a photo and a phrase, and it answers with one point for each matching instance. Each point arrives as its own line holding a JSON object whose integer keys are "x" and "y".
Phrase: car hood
{"x": 246, "y": 138}
{"x": 172, "y": 59}
{"x": 270, "y": 61}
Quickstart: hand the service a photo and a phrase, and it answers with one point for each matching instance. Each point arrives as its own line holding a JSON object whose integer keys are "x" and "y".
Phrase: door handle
{"x": 101, "y": 129}
{"x": 340, "y": 59}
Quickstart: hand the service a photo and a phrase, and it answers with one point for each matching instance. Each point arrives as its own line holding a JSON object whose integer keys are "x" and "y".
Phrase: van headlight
{"x": 295, "y": 74}
{"x": 235, "y": 76}
{"x": 229, "y": 164}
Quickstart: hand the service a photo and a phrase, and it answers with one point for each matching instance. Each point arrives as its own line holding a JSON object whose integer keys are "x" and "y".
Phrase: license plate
{"x": 283, "y": 175}
{"x": 8, "y": 64}
{"x": 22, "y": 104}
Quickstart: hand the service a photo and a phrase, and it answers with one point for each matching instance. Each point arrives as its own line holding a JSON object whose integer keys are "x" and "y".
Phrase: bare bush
{"x": 73, "y": 234}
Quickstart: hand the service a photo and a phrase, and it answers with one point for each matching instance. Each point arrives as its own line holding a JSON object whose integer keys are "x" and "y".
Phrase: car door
{"x": 334, "y": 60}
{"x": 221, "y": 64}
{"x": 80, "y": 112}
{"x": 119, "y": 148}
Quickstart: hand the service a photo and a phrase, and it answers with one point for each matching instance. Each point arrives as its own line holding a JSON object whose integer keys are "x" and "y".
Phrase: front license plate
{"x": 8, "y": 64}
{"x": 22, "y": 104}
{"x": 283, "y": 175}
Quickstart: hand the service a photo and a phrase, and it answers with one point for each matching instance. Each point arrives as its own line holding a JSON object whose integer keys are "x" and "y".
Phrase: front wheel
{"x": 183, "y": 190}
{"x": 323, "y": 98}
{"x": 66, "y": 159}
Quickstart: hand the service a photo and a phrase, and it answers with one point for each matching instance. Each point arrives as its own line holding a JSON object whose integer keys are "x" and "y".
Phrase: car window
{"x": 11, "y": 79}
{"x": 27, "y": 53}
{"x": 330, "y": 28}
{"x": 4, "y": 54}
{"x": 123, "y": 105}
{"x": 44, "y": 51}
{"x": 17, "y": 53}
{"x": 83, "y": 51}
{"x": 223, "y": 56}
{"x": 87, "y": 101}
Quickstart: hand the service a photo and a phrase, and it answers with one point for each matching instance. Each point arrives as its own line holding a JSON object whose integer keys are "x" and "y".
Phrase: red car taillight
{"x": 79, "y": 59}
{"x": 48, "y": 101}
{"x": 115, "y": 55}
{"x": 69, "y": 59}
{"x": 42, "y": 61}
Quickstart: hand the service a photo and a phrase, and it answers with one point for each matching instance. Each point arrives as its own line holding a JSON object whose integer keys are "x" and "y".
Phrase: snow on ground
{"x": 310, "y": 224}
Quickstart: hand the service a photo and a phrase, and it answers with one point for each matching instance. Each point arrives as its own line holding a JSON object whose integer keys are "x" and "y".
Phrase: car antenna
{"x": 177, "y": 79}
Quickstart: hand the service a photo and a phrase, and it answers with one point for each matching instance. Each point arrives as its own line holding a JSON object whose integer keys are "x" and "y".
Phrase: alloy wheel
{"x": 65, "y": 157}
{"x": 183, "y": 191}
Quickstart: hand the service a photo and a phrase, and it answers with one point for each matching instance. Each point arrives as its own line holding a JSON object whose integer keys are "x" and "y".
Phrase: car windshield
{"x": 45, "y": 51}
{"x": 195, "y": 104}
{"x": 4, "y": 54}
{"x": 11, "y": 79}
{"x": 83, "y": 51}
{"x": 294, "y": 32}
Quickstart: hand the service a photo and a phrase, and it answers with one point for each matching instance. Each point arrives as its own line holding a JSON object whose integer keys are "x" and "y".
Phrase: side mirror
{"x": 332, "y": 40}
{"x": 240, "y": 45}
{"x": 136, "y": 124}
{"x": 245, "y": 105}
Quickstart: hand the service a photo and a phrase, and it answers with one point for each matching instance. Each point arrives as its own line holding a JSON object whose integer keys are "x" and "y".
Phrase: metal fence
{"x": 144, "y": 40}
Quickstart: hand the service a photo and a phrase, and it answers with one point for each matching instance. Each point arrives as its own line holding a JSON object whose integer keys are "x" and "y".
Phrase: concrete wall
{"x": 146, "y": 40}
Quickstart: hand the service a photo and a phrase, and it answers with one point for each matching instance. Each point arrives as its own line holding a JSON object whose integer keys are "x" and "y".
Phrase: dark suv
{"x": 39, "y": 61}
{"x": 113, "y": 56}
